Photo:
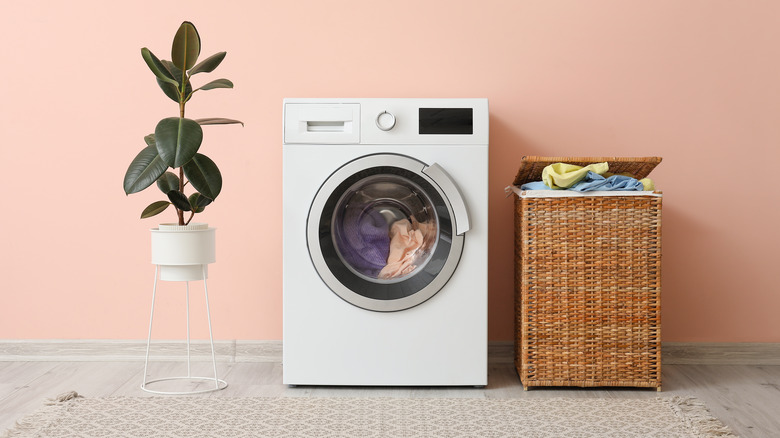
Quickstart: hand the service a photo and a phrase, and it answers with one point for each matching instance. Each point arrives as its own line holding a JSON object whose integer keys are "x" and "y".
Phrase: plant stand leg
{"x": 211, "y": 335}
{"x": 189, "y": 369}
{"x": 218, "y": 384}
{"x": 151, "y": 319}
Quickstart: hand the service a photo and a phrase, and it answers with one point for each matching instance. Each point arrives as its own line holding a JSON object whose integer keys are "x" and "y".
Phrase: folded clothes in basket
{"x": 560, "y": 176}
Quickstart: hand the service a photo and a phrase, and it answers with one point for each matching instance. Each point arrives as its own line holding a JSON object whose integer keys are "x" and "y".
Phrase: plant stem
{"x": 181, "y": 189}
{"x": 191, "y": 215}
{"x": 182, "y": 98}
{"x": 182, "y": 102}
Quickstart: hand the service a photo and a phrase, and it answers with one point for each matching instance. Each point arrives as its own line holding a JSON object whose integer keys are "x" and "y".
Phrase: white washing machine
{"x": 385, "y": 242}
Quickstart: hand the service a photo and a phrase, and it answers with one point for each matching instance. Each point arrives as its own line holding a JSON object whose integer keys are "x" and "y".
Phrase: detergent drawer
{"x": 337, "y": 123}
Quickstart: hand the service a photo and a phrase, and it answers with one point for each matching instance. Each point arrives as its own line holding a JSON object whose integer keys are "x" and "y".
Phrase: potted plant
{"x": 174, "y": 145}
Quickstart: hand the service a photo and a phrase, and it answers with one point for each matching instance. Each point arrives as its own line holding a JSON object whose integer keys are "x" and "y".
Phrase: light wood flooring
{"x": 746, "y": 398}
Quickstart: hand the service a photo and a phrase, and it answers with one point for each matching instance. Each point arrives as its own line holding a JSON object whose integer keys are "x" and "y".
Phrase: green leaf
{"x": 199, "y": 202}
{"x": 170, "y": 90}
{"x": 218, "y": 121}
{"x": 146, "y": 167}
{"x": 157, "y": 67}
{"x": 177, "y": 74}
{"x": 154, "y": 209}
{"x": 178, "y": 140}
{"x": 149, "y": 140}
{"x": 179, "y": 200}
{"x": 167, "y": 182}
{"x": 219, "y": 83}
{"x": 186, "y": 46}
{"x": 209, "y": 64}
{"x": 204, "y": 175}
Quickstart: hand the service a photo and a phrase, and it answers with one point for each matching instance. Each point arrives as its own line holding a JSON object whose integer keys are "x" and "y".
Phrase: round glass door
{"x": 375, "y": 211}
{"x": 381, "y": 233}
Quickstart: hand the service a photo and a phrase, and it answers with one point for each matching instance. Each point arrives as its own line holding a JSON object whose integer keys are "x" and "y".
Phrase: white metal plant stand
{"x": 197, "y": 244}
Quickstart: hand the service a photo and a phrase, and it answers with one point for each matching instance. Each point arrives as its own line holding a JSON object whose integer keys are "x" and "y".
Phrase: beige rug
{"x": 74, "y": 416}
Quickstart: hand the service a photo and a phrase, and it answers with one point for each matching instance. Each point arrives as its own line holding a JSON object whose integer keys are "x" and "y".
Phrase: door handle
{"x": 451, "y": 191}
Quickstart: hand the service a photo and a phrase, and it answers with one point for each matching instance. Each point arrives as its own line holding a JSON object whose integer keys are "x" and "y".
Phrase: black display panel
{"x": 447, "y": 121}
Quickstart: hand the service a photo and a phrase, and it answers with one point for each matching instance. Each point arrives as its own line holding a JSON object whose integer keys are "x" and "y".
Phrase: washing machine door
{"x": 386, "y": 231}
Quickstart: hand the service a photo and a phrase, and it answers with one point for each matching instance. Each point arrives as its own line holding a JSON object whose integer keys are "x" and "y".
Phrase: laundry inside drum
{"x": 384, "y": 228}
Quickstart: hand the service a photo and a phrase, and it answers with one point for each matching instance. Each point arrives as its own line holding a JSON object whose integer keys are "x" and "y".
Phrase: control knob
{"x": 385, "y": 121}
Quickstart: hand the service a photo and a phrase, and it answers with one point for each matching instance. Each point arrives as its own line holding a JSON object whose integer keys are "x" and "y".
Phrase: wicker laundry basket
{"x": 588, "y": 281}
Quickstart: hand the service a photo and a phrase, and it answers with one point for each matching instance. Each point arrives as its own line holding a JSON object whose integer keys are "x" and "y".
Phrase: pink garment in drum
{"x": 407, "y": 244}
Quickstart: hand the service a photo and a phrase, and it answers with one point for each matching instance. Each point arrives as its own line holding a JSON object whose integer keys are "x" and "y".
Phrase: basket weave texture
{"x": 588, "y": 283}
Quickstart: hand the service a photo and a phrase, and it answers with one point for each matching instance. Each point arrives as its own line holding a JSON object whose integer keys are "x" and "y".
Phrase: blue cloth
{"x": 536, "y": 185}
{"x": 592, "y": 182}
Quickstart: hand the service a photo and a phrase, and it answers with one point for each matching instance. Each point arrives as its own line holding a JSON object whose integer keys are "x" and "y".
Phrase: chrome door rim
{"x": 316, "y": 252}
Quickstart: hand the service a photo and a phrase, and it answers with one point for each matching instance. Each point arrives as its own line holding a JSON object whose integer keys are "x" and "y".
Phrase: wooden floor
{"x": 746, "y": 398}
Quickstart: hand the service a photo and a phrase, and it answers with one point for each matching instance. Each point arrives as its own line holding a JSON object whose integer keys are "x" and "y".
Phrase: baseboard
{"x": 680, "y": 353}
{"x": 687, "y": 353}
{"x": 131, "y": 350}
{"x": 719, "y": 353}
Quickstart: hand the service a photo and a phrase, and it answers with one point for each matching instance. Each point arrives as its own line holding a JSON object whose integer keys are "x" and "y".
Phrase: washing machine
{"x": 385, "y": 242}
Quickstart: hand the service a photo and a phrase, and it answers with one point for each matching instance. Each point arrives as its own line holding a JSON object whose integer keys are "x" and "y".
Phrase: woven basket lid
{"x": 531, "y": 167}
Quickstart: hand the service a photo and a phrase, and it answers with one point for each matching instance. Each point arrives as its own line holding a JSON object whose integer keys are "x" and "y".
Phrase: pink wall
{"x": 697, "y": 82}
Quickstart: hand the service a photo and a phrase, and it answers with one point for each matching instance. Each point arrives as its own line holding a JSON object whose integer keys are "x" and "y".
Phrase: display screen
{"x": 452, "y": 121}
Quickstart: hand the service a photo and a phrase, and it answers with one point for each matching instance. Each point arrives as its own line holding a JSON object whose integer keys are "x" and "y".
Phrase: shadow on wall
{"x": 686, "y": 282}
{"x": 505, "y": 141}
{"x": 685, "y": 285}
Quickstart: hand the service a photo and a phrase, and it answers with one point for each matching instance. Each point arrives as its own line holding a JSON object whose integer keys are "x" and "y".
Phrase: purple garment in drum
{"x": 364, "y": 240}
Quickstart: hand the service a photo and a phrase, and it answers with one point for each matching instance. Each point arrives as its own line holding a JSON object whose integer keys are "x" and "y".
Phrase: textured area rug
{"x": 73, "y": 416}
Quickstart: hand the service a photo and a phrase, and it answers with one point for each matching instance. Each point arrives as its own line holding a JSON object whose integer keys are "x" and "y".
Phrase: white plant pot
{"x": 183, "y": 252}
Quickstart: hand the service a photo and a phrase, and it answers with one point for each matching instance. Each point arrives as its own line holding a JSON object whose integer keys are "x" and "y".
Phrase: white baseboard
{"x": 720, "y": 353}
{"x": 680, "y": 353}
{"x": 131, "y": 350}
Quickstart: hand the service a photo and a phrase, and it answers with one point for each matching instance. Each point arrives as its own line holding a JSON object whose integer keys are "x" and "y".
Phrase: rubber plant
{"x": 176, "y": 141}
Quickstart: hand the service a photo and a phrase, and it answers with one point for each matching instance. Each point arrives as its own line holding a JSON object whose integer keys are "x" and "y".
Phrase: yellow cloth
{"x": 562, "y": 176}
{"x": 648, "y": 184}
